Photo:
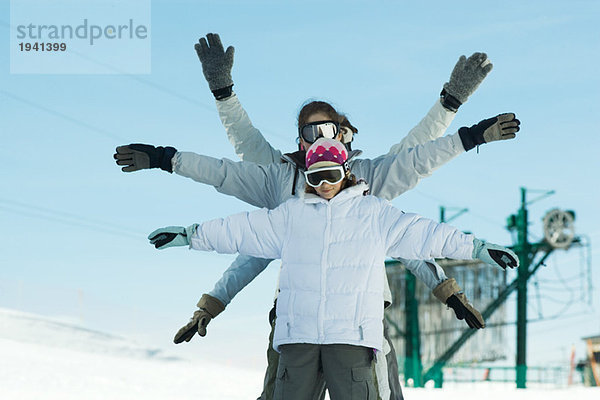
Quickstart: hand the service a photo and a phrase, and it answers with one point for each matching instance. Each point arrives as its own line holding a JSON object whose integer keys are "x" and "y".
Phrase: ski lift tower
{"x": 559, "y": 233}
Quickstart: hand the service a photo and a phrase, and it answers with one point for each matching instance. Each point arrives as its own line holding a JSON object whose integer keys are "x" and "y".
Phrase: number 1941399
{"x": 42, "y": 46}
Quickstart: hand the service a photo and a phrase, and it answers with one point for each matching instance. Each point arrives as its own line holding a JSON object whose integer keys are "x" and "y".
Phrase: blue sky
{"x": 74, "y": 226}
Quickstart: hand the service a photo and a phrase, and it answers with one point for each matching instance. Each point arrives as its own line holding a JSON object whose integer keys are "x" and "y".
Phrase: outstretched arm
{"x": 446, "y": 290}
{"x": 261, "y": 186}
{"x": 249, "y": 143}
{"x": 429, "y": 272}
{"x": 234, "y": 279}
{"x": 243, "y": 270}
{"x": 467, "y": 75}
{"x": 414, "y": 237}
{"x": 239, "y": 274}
{"x": 411, "y": 236}
{"x": 431, "y": 127}
{"x": 258, "y": 233}
{"x": 390, "y": 176}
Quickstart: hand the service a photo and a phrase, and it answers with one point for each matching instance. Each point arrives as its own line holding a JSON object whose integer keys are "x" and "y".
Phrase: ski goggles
{"x": 331, "y": 175}
{"x": 327, "y": 129}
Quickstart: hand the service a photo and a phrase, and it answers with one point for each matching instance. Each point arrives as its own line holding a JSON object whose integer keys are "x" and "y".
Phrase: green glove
{"x": 208, "y": 308}
{"x": 493, "y": 254}
{"x": 449, "y": 293}
{"x": 467, "y": 75}
{"x": 501, "y": 127}
{"x": 138, "y": 156}
{"x": 172, "y": 236}
{"x": 216, "y": 63}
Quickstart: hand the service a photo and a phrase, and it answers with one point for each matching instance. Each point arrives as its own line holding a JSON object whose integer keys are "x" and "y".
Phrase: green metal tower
{"x": 523, "y": 250}
{"x": 413, "y": 367}
{"x": 558, "y": 234}
{"x": 558, "y": 237}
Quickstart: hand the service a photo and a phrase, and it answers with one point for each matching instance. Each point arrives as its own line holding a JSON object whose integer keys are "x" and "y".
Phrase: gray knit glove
{"x": 216, "y": 63}
{"x": 466, "y": 77}
{"x": 208, "y": 308}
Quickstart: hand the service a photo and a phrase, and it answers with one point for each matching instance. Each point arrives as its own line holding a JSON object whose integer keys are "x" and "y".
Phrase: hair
{"x": 347, "y": 182}
{"x": 323, "y": 107}
{"x": 348, "y": 125}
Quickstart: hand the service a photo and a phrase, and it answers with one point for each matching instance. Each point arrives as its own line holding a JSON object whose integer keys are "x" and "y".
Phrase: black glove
{"x": 449, "y": 293}
{"x": 464, "y": 310}
{"x": 144, "y": 156}
{"x": 501, "y": 127}
{"x": 216, "y": 64}
{"x": 209, "y": 308}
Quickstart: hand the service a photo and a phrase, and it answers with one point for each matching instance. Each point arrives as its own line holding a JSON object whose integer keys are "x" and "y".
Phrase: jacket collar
{"x": 348, "y": 193}
{"x": 298, "y": 158}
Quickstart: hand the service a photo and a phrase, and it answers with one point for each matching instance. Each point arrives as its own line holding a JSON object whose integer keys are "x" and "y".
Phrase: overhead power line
{"x": 64, "y": 116}
{"x": 33, "y": 211}
{"x": 163, "y": 89}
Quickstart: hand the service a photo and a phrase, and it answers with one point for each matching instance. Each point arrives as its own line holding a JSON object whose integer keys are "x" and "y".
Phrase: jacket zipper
{"x": 324, "y": 273}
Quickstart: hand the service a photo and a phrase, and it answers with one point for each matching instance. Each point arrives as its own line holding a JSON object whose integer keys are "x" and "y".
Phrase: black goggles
{"x": 331, "y": 175}
{"x": 327, "y": 129}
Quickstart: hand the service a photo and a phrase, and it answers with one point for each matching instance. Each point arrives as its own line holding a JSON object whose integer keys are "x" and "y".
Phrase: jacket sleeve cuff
{"x": 449, "y": 102}
{"x": 457, "y": 142}
{"x": 223, "y": 93}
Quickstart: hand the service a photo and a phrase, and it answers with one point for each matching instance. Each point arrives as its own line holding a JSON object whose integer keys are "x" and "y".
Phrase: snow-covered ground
{"x": 42, "y": 358}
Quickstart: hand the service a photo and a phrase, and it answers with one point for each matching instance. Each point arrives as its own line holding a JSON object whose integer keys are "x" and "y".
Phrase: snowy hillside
{"x": 35, "y": 329}
{"x": 42, "y": 358}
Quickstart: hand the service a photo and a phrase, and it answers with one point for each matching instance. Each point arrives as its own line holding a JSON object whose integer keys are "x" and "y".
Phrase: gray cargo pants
{"x": 347, "y": 370}
{"x": 319, "y": 390}
{"x": 271, "y": 373}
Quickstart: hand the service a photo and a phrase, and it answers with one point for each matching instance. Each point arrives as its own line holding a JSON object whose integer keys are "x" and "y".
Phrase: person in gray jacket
{"x": 235, "y": 280}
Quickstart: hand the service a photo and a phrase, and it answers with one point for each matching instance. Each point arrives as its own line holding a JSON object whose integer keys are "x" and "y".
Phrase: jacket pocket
{"x": 291, "y": 308}
{"x": 281, "y": 373}
{"x": 363, "y": 386}
{"x": 358, "y": 315}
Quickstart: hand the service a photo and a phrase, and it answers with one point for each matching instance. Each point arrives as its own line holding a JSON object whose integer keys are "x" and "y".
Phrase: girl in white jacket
{"x": 332, "y": 243}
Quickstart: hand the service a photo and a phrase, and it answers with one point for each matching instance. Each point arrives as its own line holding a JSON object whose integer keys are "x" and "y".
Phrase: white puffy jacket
{"x": 332, "y": 255}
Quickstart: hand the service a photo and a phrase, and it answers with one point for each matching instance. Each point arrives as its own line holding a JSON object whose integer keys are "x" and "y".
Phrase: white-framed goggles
{"x": 332, "y": 175}
{"x": 327, "y": 129}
